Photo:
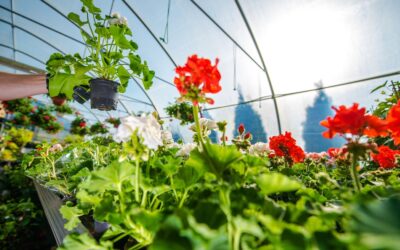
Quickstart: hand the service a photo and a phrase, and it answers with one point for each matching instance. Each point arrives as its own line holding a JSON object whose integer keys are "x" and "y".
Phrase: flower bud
{"x": 241, "y": 128}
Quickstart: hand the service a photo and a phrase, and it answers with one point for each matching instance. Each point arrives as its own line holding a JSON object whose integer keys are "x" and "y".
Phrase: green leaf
{"x": 217, "y": 158}
{"x": 378, "y": 223}
{"x": 379, "y": 87}
{"x": 84, "y": 242}
{"x": 76, "y": 19}
{"x": 276, "y": 183}
{"x": 135, "y": 63}
{"x": 118, "y": 34}
{"x": 111, "y": 177}
{"x": 123, "y": 75}
{"x": 148, "y": 76}
{"x": 187, "y": 176}
{"x": 91, "y": 7}
{"x": 65, "y": 83}
{"x": 71, "y": 214}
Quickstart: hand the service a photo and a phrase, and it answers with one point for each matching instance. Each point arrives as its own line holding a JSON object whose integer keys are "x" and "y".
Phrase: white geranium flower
{"x": 123, "y": 21}
{"x": 147, "y": 126}
{"x": 166, "y": 137}
{"x": 56, "y": 147}
{"x": 116, "y": 15}
{"x": 205, "y": 124}
{"x": 186, "y": 149}
{"x": 116, "y": 18}
{"x": 259, "y": 149}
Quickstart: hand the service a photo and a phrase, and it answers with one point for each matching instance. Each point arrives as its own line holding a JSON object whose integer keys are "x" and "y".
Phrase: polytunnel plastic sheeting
{"x": 304, "y": 42}
{"x": 304, "y": 45}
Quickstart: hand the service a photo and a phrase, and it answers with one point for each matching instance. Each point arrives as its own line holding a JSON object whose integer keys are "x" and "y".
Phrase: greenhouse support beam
{"x": 262, "y": 62}
{"x": 32, "y": 34}
{"x": 132, "y": 99}
{"x": 151, "y": 32}
{"x": 144, "y": 91}
{"x": 12, "y": 30}
{"x": 269, "y": 97}
{"x": 91, "y": 112}
{"x": 226, "y": 34}
{"x": 22, "y": 52}
{"x": 43, "y": 25}
{"x": 20, "y": 66}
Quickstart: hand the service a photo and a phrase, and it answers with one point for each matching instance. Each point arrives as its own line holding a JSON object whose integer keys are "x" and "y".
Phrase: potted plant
{"x": 79, "y": 126}
{"x": 182, "y": 111}
{"x": 63, "y": 109}
{"x": 12, "y": 143}
{"x": 114, "y": 121}
{"x": 98, "y": 128}
{"x": 59, "y": 100}
{"x": 44, "y": 119}
{"x": 111, "y": 57}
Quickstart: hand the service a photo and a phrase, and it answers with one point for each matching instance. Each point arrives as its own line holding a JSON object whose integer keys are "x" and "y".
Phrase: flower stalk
{"x": 354, "y": 174}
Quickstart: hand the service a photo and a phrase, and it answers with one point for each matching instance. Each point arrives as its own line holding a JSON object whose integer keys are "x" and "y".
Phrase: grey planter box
{"x": 51, "y": 204}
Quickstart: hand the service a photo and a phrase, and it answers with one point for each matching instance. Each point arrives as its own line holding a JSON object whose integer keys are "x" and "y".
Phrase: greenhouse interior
{"x": 199, "y": 124}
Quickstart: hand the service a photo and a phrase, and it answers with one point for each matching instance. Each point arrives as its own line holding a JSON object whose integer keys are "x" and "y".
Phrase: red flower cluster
{"x": 393, "y": 122}
{"x": 386, "y": 157}
{"x": 82, "y": 124}
{"x": 285, "y": 146}
{"x": 353, "y": 120}
{"x": 197, "y": 78}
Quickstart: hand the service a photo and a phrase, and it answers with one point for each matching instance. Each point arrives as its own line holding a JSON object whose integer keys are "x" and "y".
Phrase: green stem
{"x": 137, "y": 176}
{"x": 185, "y": 193}
{"x": 197, "y": 124}
{"x": 144, "y": 199}
{"x": 354, "y": 174}
{"x": 119, "y": 237}
{"x": 53, "y": 168}
{"x": 223, "y": 138}
{"x": 236, "y": 240}
{"x": 173, "y": 189}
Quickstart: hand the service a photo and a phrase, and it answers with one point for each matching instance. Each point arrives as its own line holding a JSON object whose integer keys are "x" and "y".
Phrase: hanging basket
{"x": 58, "y": 100}
{"x": 104, "y": 94}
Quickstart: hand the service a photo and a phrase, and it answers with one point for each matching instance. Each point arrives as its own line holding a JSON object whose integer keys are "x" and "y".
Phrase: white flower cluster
{"x": 167, "y": 139}
{"x": 148, "y": 128}
{"x": 259, "y": 149}
{"x": 117, "y": 19}
{"x": 206, "y": 125}
{"x": 186, "y": 149}
{"x": 55, "y": 148}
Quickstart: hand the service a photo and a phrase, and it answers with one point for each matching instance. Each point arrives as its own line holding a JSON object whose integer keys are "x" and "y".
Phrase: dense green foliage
{"x": 217, "y": 198}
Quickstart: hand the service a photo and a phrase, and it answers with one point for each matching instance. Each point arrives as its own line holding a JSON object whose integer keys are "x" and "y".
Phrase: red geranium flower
{"x": 337, "y": 153}
{"x": 386, "y": 157}
{"x": 82, "y": 124}
{"x": 197, "y": 78}
{"x": 285, "y": 146}
{"x": 46, "y": 117}
{"x": 353, "y": 120}
{"x": 241, "y": 128}
{"x": 393, "y": 122}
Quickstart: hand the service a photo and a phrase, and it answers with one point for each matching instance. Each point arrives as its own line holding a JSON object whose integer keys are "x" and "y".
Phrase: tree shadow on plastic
{"x": 251, "y": 120}
{"x": 312, "y": 130}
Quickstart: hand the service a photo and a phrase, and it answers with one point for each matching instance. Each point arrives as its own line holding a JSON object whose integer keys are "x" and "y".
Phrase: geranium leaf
{"x": 71, "y": 214}
{"x": 111, "y": 177}
{"x": 76, "y": 19}
{"x": 84, "y": 242}
{"x": 91, "y": 7}
{"x": 276, "y": 183}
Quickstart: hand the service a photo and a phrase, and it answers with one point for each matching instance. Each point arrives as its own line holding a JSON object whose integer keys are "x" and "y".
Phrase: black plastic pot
{"x": 81, "y": 94}
{"x": 104, "y": 94}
